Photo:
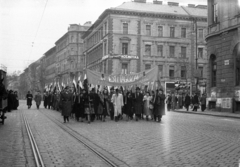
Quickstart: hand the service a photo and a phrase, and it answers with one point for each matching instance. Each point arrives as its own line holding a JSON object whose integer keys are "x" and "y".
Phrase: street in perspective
{"x": 140, "y": 83}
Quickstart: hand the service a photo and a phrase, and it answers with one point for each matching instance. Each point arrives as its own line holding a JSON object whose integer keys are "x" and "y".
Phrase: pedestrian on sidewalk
{"x": 29, "y": 98}
{"x": 67, "y": 102}
{"x": 203, "y": 102}
{"x": 195, "y": 102}
{"x": 38, "y": 99}
{"x": 187, "y": 101}
{"x": 169, "y": 101}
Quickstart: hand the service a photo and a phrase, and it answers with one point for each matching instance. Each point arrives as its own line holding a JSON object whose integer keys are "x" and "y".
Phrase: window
{"x": 183, "y": 33}
{"x": 124, "y": 68}
{"x": 200, "y": 68}
{"x": 215, "y": 13}
{"x": 160, "y": 70}
{"x": 200, "y": 33}
{"x": 172, "y": 32}
{"x": 171, "y": 71}
{"x": 183, "y": 72}
{"x": 171, "y": 51}
{"x": 148, "y": 29}
{"x": 160, "y": 31}
{"x": 125, "y": 28}
{"x": 147, "y": 66}
{"x": 159, "y": 50}
{"x": 214, "y": 70}
{"x": 148, "y": 50}
{"x": 104, "y": 48}
{"x": 200, "y": 52}
{"x": 124, "y": 48}
{"x": 183, "y": 52}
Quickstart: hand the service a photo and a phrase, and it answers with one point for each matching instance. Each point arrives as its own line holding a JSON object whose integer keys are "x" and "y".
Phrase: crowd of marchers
{"x": 118, "y": 104}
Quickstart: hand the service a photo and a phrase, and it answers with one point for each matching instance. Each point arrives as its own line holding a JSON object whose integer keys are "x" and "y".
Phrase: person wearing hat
{"x": 66, "y": 98}
{"x": 138, "y": 103}
{"x": 29, "y": 98}
{"x": 117, "y": 100}
{"x": 159, "y": 105}
{"x": 38, "y": 99}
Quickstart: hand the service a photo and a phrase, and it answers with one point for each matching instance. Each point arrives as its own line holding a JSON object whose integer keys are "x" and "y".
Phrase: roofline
{"x": 61, "y": 38}
{"x": 50, "y": 51}
{"x": 142, "y": 13}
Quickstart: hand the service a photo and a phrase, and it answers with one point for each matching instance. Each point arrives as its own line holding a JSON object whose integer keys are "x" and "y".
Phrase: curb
{"x": 210, "y": 114}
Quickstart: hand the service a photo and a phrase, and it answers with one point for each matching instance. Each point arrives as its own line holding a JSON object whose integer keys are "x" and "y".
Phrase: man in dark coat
{"x": 138, "y": 103}
{"x": 203, "y": 102}
{"x": 111, "y": 107}
{"x": 187, "y": 101}
{"x": 29, "y": 98}
{"x": 195, "y": 102}
{"x": 67, "y": 102}
{"x": 45, "y": 99}
{"x": 159, "y": 105}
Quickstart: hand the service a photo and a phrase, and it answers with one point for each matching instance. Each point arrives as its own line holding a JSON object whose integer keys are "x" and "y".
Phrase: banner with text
{"x": 141, "y": 78}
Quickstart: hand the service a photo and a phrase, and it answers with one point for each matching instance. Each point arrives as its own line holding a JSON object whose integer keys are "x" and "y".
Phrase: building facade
{"x": 50, "y": 65}
{"x": 223, "y": 80}
{"x": 136, "y": 36}
{"x": 69, "y": 53}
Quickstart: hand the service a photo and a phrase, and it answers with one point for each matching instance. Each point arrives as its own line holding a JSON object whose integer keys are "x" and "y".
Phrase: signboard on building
{"x": 120, "y": 57}
{"x": 226, "y": 103}
{"x": 226, "y": 62}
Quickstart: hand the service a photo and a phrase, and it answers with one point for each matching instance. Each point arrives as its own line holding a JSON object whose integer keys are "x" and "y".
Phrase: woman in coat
{"x": 159, "y": 105}
{"x": 67, "y": 101}
{"x": 38, "y": 99}
{"x": 29, "y": 98}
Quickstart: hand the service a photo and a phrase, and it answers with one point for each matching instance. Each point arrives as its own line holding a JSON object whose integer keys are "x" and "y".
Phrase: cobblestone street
{"x": 181, "y": 139}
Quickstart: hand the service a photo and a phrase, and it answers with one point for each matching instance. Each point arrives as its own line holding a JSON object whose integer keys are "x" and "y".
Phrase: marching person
{"x": 138, "y": 103}
{"x": 29, "y": 98}
{"x": 159, "y": 105}
{"x": 129, "y": 106}
{"x": 38, "y": 99}
{"x": 45, "y": 99}
{"x": 147, "y": 109}
{"x": 117, "y": 100}
{"x": 105, "y": 105}
{"x": 111, "y": 107}
{"x": 67, "y": 102}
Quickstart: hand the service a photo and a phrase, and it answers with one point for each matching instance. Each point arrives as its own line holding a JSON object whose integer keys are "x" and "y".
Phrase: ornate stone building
{"x": 223, "y": 81}
{"x": 69, "y": 53}
{"x": 50, "y": 65}
{"x": 136, "y": 36}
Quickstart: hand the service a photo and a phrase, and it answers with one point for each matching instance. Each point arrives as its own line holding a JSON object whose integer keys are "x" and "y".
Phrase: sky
{"x": 29, "y": 28}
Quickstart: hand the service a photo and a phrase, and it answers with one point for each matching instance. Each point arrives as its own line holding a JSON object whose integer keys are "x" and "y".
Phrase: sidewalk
{"x": 211, "y": 113}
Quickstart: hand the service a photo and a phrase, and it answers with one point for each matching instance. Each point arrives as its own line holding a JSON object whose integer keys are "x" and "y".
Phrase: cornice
{"x": 221, "y": 31}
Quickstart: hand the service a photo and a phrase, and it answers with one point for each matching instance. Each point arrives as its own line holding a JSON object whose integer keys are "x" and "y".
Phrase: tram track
{"x": 107, "y": 157}
{"x": 36, "y": 153}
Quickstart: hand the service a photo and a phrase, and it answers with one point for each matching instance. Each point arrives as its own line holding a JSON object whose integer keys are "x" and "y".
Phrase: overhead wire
{"x": 37, "y": 30}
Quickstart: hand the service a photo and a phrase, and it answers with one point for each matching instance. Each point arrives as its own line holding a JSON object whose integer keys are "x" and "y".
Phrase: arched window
{"x": 236, "y": 56}
{"x": 213, "y": 70}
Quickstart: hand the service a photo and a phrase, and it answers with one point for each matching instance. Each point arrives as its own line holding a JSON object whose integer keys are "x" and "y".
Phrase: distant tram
{"x": 3, "y": 93}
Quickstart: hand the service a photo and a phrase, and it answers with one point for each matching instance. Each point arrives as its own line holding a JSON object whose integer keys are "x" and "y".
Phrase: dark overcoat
{"x": 38, "y": 99}
{"x": 138, "y": 103}
{"x": 159, "y": 105}
{"x": 67, "y": 102}
{"x": 187, "y": 101}
{"x": 29, "y": 97}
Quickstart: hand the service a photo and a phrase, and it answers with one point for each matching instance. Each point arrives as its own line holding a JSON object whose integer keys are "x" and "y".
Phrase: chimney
{"x": 191, "y": 5}
{"x": 157, "y": 2}
{"x": 140, "y": 1}
{"x": 201, "y": 6}
{"x": 173, "y": 4}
